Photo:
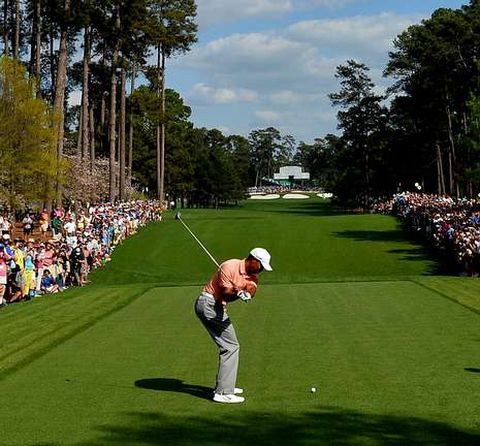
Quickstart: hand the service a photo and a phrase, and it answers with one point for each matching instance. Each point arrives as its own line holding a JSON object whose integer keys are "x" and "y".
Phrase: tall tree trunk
{"x": 367, "y": 176}
{"x": 85, "y": 93}
{"x": 52, "y": 61}
{"x": 123, "y": 118}
{"x": 33, "y": 32}
{"x": 111, "y": 129}
{"x": 130, "y": 130}
{"x": 469, "y": 185}
{"x": 36, "y": 42}
{"x": 92, "y": 139}
{"x": 440, "y": 174}
{"x": 16, "y": 48}
{"x": 113, "y": 114}
{"x": 103, "y": 105}
{"x": 59, "y": 99}
{"x": 80, "y": 133}
{"x": 6, "y": 34}
{"x": 159, "y": 142}
{"x": 161, "y": 126}
{"x": 101, "y": 127}
{"x": 60, "y": 135}
{"x": 452, "y": 152}
{"x": 103, "y": 110}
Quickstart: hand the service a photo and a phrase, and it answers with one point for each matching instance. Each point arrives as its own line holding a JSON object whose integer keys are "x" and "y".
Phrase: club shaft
{"x": 199, "y": 242}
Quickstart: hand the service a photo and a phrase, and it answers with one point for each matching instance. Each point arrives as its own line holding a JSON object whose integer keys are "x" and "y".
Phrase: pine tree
{"x": 173, "y": 31}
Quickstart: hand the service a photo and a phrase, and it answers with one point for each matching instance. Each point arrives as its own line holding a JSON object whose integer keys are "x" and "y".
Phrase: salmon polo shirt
{"x": 230, "y": 274}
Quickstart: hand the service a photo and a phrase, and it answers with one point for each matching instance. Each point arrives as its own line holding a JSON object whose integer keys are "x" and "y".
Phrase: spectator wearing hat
{"x": 20, "y": 262}
{"x": 70, "y": 231}
{"x": 39, "y": 265}
{"x": 30, "y": 282}
{"x": 27, "y": 224}
{"x": 77, "y": 259}
{"x": 56, "y": 226}
{"x": 9, "y": 251}
{"x": 62, "y": 267}
{"x": 48, "y": 283}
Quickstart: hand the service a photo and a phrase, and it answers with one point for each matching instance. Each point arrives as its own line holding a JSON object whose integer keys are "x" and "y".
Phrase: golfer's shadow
{"x": 175, "y": 385}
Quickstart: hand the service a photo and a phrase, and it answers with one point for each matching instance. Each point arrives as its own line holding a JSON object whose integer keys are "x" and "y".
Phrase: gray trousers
{"x": 215, "y": 319}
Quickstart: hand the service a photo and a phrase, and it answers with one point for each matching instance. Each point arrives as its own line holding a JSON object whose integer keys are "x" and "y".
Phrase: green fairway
{"x": 310, "y": 244}
{"x": 351, "y": 308}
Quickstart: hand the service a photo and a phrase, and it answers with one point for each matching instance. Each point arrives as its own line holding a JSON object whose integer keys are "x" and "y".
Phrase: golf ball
{"x": 313, "y": 389}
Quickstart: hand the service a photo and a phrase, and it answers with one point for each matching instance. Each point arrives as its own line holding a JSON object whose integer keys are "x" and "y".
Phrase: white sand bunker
{"x": 325, "y": 195}
{"x": 265, "y": 197}
{"x": 295, "y": 196}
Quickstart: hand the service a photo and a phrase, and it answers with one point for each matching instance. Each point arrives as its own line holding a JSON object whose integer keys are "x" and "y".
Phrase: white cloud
{"x": 205, "y": 94}
{"x": 289, "y": 97}
{"x": 262, "y": 62}
{"x": 227, "y": 131}
{"x": 221, "y": 11}
{"x": 302, "y": 57}
{"x": 211, "y": 11}
{"x": 370, "y": 35}
{"x": 268, "y": 117}
{"x": 242, "y": 52}
{"x": 285, "y": 97}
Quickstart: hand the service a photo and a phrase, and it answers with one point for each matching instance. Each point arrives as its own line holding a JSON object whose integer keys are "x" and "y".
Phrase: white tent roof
{"x": 288, "y": 172}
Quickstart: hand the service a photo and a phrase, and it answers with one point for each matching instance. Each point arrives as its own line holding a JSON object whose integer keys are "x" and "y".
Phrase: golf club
{"x": 178, "y": 216}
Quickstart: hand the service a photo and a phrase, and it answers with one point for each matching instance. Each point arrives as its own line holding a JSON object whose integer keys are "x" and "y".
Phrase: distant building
{"x": 291, "y": 176}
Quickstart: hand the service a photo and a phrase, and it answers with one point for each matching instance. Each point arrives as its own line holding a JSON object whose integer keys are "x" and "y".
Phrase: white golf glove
{"x": 244, "y": 295}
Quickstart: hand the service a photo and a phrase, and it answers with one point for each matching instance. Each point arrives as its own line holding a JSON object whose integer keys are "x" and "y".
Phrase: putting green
{"x": 391, "y": 348}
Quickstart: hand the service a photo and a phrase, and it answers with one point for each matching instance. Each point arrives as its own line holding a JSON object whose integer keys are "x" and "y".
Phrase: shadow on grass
{"x": 389, "y": 236}
{"x": 175, "y": 385}
{"x": 472, "y": 370}
{"x": 303, "y": 208}
{"x": 419, "y": 252}
{"x": 321, "y": 426}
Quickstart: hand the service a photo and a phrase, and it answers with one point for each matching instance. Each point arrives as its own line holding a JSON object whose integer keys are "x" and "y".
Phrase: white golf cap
{"x": 263, "y": 256}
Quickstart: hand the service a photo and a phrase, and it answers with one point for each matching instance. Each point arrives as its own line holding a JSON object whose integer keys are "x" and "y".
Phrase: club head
{"x": 178, "y": 216}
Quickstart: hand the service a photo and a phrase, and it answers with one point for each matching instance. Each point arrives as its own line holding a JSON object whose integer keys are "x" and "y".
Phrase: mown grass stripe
{"x": 26, "y": 351}
{"x": 463, "y": 292}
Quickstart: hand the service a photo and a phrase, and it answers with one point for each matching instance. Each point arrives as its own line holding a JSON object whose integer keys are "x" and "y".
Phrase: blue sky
{"x": 261, "y": 63}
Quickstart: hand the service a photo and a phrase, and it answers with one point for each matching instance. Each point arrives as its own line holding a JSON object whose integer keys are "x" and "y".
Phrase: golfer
{"x": 234, "y": 279}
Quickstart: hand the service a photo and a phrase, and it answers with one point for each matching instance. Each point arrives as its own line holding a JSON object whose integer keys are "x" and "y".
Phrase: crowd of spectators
{"x": 452, "y": 226}
{"x": 65, "y": 247}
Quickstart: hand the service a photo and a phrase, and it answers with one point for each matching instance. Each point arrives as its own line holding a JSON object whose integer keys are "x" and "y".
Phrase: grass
{"x": 309, "y": 242}
{"x": 352, "y": 308}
